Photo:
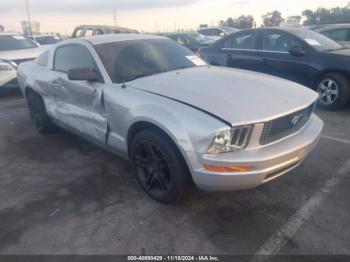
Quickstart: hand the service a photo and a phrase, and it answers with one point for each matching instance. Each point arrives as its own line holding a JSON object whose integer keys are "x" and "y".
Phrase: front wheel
{"x": 334, "y": 91}
{"x": 161, "y": 170}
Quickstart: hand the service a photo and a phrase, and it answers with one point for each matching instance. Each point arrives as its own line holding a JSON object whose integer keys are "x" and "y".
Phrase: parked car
{"x": 7, "y": 73}
{"x": 337, "y": 32}
{"x": 217, "y": 33}
{"x": 14, "y": 49}
{"x": 299, "y": 55}
{"x": 45, "y": 39}
{"x": 91, "y": 30}
{"x": 177, "y": 119}
{"x": 191, "y": 40}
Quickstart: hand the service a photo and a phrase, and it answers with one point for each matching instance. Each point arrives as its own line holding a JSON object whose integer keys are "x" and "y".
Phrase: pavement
{"x": 59, "y": 194}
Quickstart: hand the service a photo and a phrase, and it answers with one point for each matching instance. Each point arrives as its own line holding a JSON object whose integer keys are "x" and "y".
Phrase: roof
{"x": 177, "y": 33}
{"x": 286, "y": 29}
{"x": 101, "y": 39}
{"x": 10, "y": 33}
{"x": 42, "y": 35}
{"x": 321, "y": 28}
{"x": 111, "y": 27}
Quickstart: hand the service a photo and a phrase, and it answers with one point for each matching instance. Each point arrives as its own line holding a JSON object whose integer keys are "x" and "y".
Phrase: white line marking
{"x": 340, "y": 140}
{"x": 54, "y": 212}
{"x": 277, "y": 241}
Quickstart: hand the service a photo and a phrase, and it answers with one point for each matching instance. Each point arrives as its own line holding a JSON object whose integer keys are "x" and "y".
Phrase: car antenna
{"x": 124, "y": 85}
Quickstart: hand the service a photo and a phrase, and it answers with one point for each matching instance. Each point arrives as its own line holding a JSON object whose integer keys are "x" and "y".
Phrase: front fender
{"x": 165, "y": 120}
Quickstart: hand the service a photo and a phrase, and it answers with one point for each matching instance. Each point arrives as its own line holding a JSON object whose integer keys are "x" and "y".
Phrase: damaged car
{"x": 179, "y": 120}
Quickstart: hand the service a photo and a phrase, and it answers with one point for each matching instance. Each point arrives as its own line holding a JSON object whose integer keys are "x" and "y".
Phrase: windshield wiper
{"x": 136, "y": 77}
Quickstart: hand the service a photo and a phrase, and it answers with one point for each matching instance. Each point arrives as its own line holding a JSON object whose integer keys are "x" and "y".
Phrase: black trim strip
{"x": 187, "y": 104}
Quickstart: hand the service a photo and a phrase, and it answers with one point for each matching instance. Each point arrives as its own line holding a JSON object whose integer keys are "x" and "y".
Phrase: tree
{"x": 310, "y": 17}
{"x": 242, "y": 22}
{"x": 323, "y": 15}
{"x": 272, "y": 19}
{"x": 294, "y": 19}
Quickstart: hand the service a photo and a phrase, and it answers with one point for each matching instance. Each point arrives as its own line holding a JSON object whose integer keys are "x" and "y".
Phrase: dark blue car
{"x": 299, "y": 55}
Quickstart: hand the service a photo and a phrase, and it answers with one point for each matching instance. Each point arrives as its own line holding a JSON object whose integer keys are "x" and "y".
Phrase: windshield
{"x": 230, "y": 30}
{"x": 199, "y": 38}
{"x": 129, "y": 60}
{"x": 13, "y": 42}
{"x": 47, "y": 40}
{"x": 318, "y": 41}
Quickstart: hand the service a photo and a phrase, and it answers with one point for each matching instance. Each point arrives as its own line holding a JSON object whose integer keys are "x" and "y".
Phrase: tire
{"x": 334, "y": 90}
{"x": 37, "y": 110}
{"x": 161, "y": 169}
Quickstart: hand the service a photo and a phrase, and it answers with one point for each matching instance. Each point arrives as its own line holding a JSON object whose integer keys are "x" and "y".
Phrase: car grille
{"x": 284, "y": 126}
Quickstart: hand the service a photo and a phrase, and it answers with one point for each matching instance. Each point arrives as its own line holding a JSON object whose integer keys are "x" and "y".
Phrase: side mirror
{"x": 82, "y": 74}
{"x": 296, "y": 50}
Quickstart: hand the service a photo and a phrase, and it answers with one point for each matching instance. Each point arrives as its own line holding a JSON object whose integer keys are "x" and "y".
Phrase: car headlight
{"x": 230, "y": 140}
{"x": 7, "y": 66}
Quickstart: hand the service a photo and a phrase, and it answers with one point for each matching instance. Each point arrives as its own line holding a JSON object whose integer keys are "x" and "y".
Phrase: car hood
{"x": 236, "y": 96}
{"x": 22, "y": 54}
{"x": 342, "y": 52}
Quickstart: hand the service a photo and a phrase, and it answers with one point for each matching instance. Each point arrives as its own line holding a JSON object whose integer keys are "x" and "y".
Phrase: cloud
{"x": 12, "y": 6}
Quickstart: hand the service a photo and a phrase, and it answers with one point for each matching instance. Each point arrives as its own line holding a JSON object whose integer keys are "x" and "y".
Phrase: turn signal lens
{"x": 228, "y": 168}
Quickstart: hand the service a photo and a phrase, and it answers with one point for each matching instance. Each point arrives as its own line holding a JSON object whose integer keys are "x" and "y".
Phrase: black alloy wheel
{"x": 161, "y": 169}
{"x": 152, "y": 169}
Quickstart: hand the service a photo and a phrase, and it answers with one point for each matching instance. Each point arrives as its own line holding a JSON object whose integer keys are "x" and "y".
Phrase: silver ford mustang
{"x": 179, "y": 120}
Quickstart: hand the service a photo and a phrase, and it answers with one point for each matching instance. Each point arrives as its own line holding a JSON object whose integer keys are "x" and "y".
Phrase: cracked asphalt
{"x": 59, "y": 194}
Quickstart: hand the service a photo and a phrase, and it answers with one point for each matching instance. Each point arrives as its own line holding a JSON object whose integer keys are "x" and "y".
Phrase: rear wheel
{"x": 334, "y": 91}
{"x": 161, "y": 170}
{"x": 38, "y": 113}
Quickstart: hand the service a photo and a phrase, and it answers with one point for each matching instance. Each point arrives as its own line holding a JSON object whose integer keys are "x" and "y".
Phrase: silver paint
{"x": 236, "y": 96}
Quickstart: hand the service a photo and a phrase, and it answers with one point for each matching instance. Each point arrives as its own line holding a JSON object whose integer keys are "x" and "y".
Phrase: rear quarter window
{"x": 43, "y": 59}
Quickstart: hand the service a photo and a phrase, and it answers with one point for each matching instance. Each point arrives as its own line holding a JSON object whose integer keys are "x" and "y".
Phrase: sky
{"x": 146, "y": 15}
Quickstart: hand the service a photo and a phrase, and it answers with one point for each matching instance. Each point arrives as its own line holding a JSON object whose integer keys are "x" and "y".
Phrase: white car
{"x": 7, "y": 73}
{"x": 338, "y": 32}
{"x": 216, "y": 33}
{"x": 14, "y": 49}
{"x": 45, "y": 39}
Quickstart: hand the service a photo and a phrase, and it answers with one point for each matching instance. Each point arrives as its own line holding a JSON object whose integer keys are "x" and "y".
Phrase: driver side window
{"x": 244, "y": 40}
{"x": 73, "y": 57}
{"x": 278, "y": 42}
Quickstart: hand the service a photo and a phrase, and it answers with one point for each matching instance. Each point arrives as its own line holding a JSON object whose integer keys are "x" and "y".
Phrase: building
{"x": 30, "y": 28}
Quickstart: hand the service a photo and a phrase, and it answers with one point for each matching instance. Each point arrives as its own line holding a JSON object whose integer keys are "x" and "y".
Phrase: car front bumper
{"x": 269, "y": 162}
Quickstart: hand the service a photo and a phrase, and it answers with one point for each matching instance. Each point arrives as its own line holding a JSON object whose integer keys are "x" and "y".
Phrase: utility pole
{"x": 115, "y": 16}
{"x": 28, "y": 11}
{"x": 29, "y": 16}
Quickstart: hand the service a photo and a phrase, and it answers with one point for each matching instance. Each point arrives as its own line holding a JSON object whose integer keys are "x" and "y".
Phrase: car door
{"x": 80, "y": 102}
{"x": 239, "y": 51}
{"x": 275, "y": 46}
